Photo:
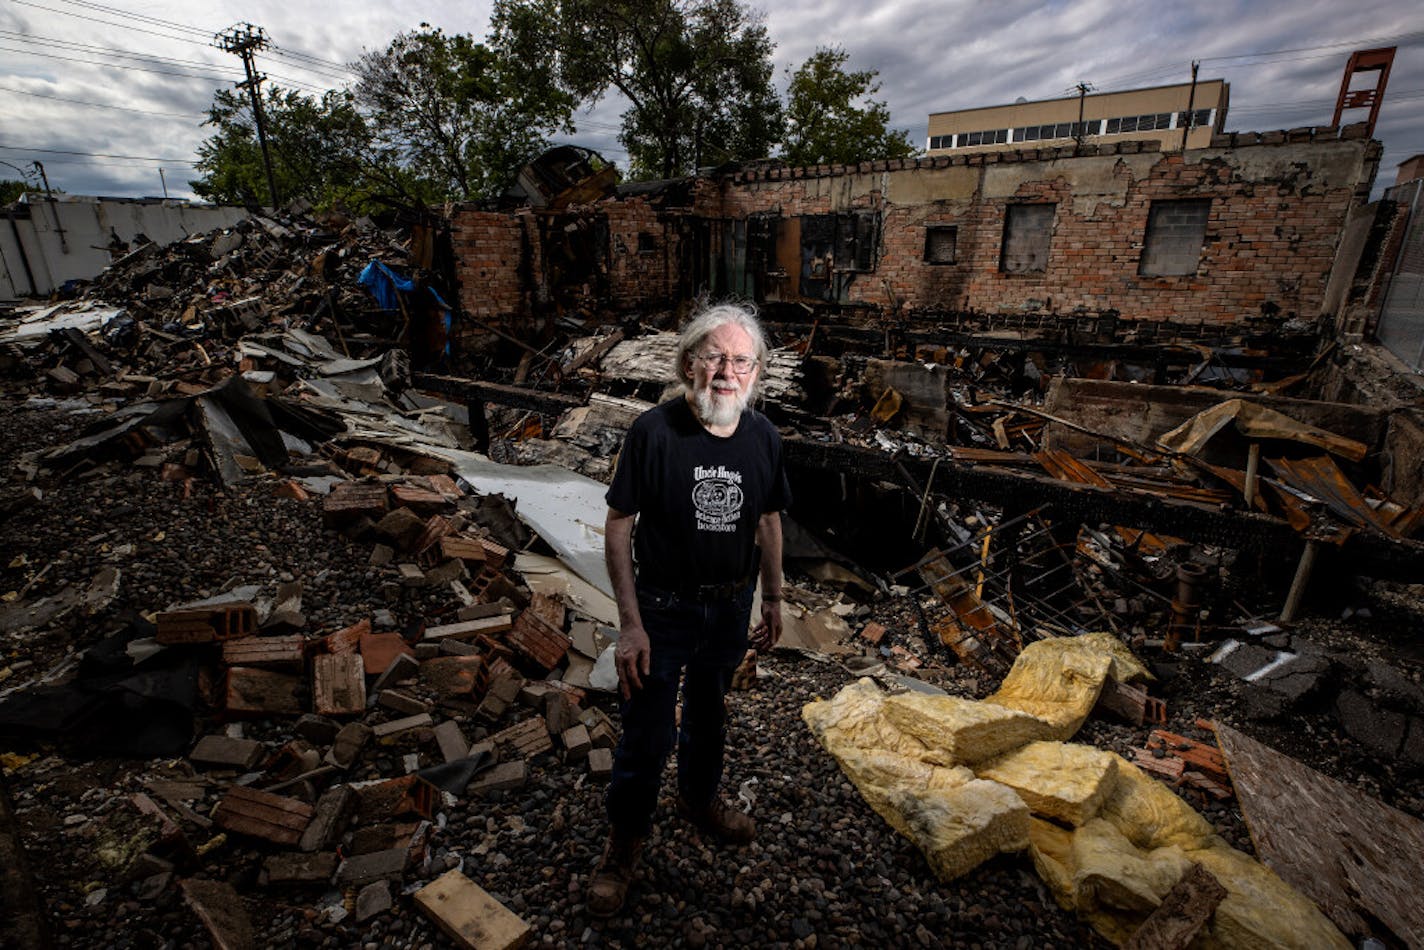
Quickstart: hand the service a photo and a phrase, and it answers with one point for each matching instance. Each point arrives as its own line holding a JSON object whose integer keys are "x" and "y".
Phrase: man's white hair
{"x": 706, "y": 322}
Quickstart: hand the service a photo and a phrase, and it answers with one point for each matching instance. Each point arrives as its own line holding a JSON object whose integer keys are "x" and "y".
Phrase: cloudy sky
{"x": 105, "y": 94}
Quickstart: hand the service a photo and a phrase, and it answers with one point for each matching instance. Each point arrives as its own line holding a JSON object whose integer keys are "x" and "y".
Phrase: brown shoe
{"x": 609, "y": 887}
{"x": 720, "y": 820}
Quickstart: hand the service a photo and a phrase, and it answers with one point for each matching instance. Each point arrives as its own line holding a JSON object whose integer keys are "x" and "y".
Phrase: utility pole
{"x": 244, "y": 39}
{"x": 1078, "y": 135}
{"x": 53, "y": 208}
{"x": 1191, "y": 105}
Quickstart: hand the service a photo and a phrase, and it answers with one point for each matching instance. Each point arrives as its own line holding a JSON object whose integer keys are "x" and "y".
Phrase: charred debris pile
{"x": 966, "y": 484}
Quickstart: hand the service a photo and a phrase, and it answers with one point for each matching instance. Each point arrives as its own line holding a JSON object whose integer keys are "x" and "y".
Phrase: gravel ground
{"x": 824, "y": 871}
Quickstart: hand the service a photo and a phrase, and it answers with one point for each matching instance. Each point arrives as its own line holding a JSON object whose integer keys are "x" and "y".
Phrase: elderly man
{"x": 702, "y": 475}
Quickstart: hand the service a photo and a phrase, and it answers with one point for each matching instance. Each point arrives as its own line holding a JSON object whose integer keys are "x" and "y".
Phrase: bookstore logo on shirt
{"x": 717, "y": 498}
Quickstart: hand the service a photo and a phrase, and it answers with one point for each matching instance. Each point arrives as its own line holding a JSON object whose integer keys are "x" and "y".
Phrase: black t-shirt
{"x": 698, "y": 496}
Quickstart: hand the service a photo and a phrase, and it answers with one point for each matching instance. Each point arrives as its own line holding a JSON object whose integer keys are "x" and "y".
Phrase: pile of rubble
{"x": 328, "y": 758}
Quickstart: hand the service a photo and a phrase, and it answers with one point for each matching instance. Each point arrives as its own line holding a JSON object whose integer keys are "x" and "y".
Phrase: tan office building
{"x": 1159, "y": 113}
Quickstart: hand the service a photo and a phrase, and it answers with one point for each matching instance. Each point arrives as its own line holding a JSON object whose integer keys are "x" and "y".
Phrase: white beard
{"x": 715, "y": 410}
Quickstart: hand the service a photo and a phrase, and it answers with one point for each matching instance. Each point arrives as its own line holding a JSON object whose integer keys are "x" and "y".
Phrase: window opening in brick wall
{"x": 647, "y": 244}
{"x": 940, "y": 243}
{"x": 1027, "y": 229}
{"x": 1176, "y": 231}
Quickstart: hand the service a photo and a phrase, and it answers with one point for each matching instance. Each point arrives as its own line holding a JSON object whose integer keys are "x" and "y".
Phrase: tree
{"x": 454, "y": 118}
{"x": 824, "y": 122}
{"x": 696, "y": 73}
{"x": 319, "y": 149}
{"x": 11, "y": 191}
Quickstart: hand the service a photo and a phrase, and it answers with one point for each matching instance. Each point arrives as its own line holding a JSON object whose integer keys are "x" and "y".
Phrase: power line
{"x": 290, "y": 81}
{"x": 125, "y": 26}
{"x": 103, "y": 105}
{"x": 141, "y": 17}
{"x": 106, "y": 50}
{"x": 91, "y": 62}
{"x": 65, "y": 151}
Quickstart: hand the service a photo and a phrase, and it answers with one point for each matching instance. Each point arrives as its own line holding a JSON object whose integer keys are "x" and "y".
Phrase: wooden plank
{"x": 1359, "y": 860}
{"x": 1184, "y": 911}
{"x": 469, "y": 916}
{"x": 339, "y": 684}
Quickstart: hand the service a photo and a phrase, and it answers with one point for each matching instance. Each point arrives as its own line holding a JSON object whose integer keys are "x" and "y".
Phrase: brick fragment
{"x": 576, "y": 743}
{"x": 502, "y": 777}
{"x": 285, "y": 652}
{"x": 339, "y": 684}
{"x": 227, "y": 752}
{"x": 260, "y": 814}
{"x": 401, "y": 702}
{"x": 262, "y": 692}
{"x": 206, "y": 624}
{"x": 452, "y": 742}
{"x": 329, "y": 821}
{"x": 350, "y": 501}
{"x": 299, "y": 868}
{"x": 527, "y": 738}
{"x": 397, "y": 726}
{"x": 600, "y": 764}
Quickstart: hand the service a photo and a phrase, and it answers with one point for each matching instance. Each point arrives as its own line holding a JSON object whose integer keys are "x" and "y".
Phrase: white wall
{"x": 89, "y": 225}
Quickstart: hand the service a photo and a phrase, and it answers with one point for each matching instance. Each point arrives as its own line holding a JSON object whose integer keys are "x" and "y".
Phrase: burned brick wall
{"x": 1217, "y": 235}
{"x": 491, "y": 251}
{"x": 1112, "y": 228}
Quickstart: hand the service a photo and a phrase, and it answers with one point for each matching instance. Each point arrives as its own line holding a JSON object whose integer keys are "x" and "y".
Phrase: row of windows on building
{"x": 1171, "y": 246}
{"x": 1157, "y": 121}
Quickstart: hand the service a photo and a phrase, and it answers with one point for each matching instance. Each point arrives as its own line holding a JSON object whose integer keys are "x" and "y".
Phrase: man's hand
{"x": 768, "y": 632}
{"x": 632, "y": 657}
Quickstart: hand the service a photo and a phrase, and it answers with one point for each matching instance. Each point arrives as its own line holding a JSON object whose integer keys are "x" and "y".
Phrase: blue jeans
{"x": 697, "y": 646}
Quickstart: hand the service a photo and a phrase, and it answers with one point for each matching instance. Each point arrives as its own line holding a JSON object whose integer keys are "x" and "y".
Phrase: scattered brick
{"x": 387, "y": 729}
{"x": 600, "y": 764}
{"x": 299, "y": 868}
{"x": 452, "y": 742}
{"x": 329, "y": 821}
{"x": 527, "y": 738}
{"x": 339, "y": 684}
{"x": 285, "y": 652}
{"x": 469, "y": 629}
{"x": 261, "y": 814}
{"x": 350, "y": 501}
{"x": 502, "y": 777}
{"x": 576, "y": 743}
{"x": 379, "y": 651}
{"x": 262, "y": 692}
{"x": 359, "y": 869}
{"x": 227, "y": 752}
{"x": 537, "y": 642}
{"x": 348, "y": 639}
{"x": 403, "y": 703}
{"x": 206, "y": 624}
{"x": 348, "y": 745}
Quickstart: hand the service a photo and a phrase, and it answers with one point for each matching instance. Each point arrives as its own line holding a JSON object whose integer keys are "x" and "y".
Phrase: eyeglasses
{"x": 741, "y": 365}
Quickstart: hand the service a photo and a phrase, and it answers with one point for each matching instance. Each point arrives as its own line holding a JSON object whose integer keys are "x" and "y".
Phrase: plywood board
{"x": 1356, "y": 857}
{"x": 469, "y": 915}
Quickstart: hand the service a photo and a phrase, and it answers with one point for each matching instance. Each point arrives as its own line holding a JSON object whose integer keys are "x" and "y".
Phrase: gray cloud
{"x": 932, "y": 55}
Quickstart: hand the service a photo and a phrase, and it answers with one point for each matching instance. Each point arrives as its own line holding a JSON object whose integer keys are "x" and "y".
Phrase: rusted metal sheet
{"x": 1321, "y": 478}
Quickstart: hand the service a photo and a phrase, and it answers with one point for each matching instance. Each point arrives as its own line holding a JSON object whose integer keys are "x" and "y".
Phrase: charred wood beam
{"x": 472, "y": 391}
{"x": 1367, "y": 552}
{"x": 1169, "y": 352}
